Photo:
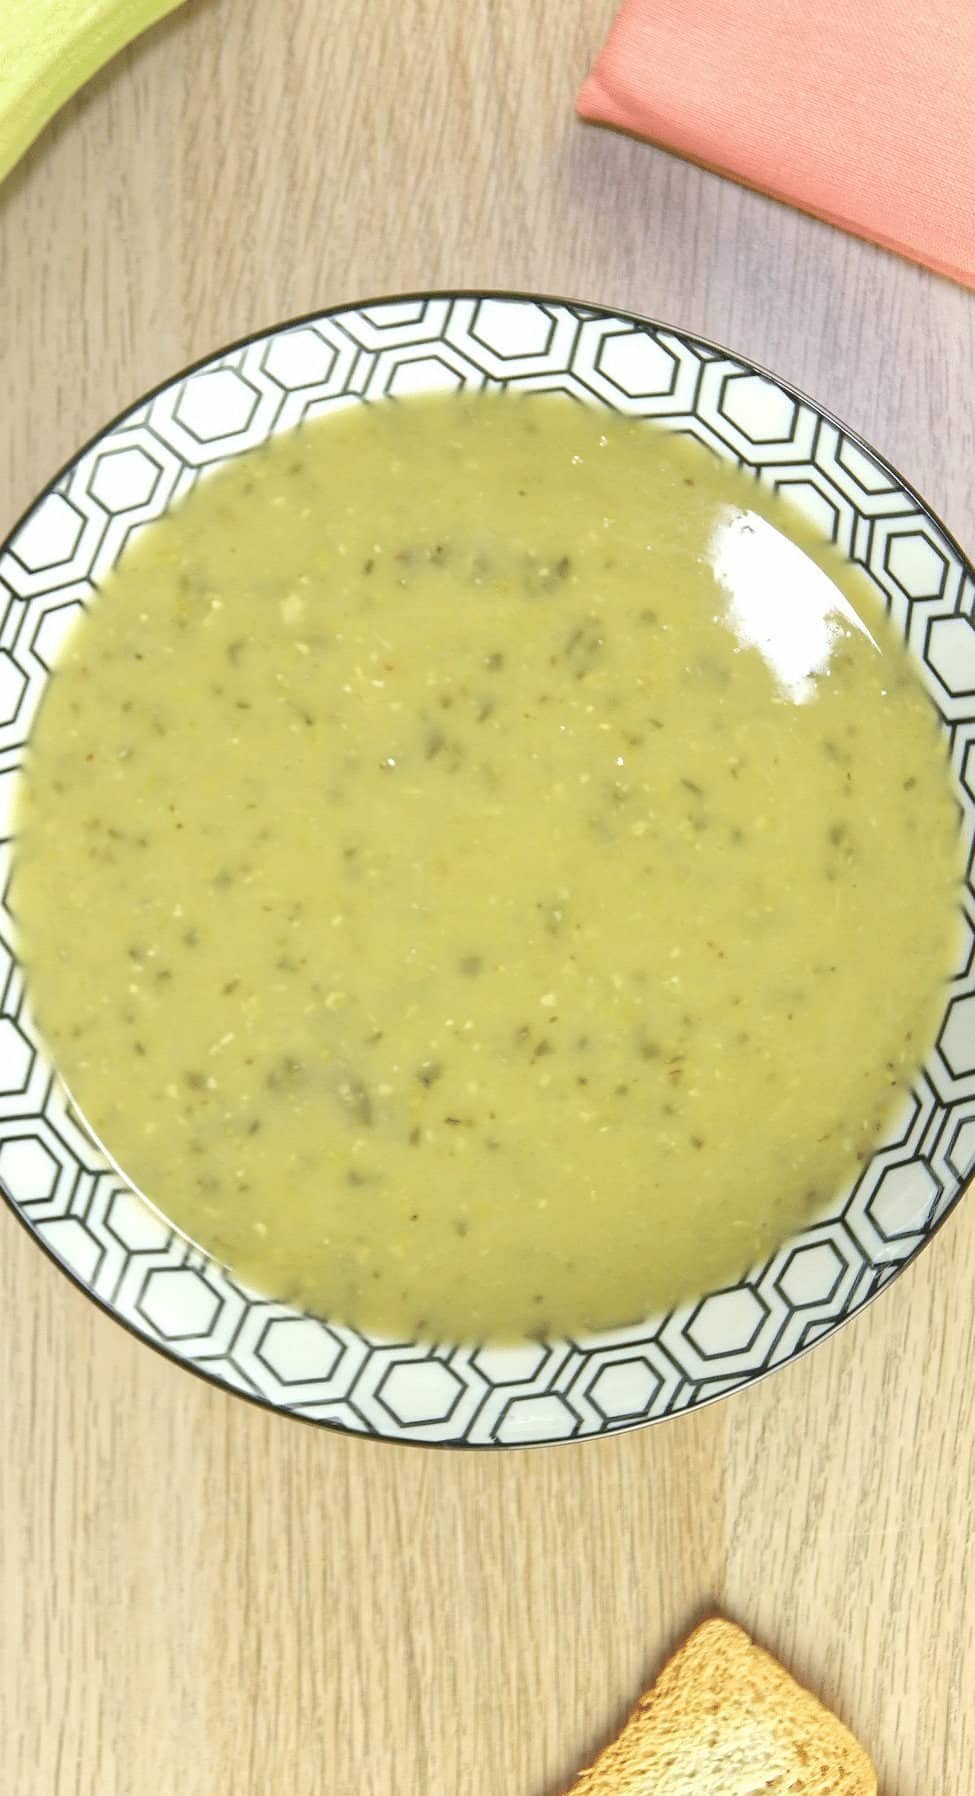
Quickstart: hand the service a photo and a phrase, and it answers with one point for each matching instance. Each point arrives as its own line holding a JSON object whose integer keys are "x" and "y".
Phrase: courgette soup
{"x": 485, "y": 868}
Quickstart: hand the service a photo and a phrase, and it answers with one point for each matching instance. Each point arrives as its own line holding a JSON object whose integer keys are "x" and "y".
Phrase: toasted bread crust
{"x": 726, "y": 1719}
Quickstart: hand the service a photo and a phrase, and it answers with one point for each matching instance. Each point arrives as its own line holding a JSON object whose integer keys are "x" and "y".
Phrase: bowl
{"x": 113, "y": 1245}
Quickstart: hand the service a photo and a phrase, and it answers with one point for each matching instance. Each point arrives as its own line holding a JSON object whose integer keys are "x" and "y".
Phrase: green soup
{"x": 485, "y": 868}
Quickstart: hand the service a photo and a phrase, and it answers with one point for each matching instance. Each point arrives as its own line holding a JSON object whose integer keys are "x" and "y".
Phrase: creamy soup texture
{"x": 484, "y": 868}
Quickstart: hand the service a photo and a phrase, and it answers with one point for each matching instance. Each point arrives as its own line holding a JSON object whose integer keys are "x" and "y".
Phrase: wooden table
{"x": 199, "y": 1599}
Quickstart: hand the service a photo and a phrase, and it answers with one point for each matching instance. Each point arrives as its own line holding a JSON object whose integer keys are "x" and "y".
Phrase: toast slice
{"x": 725, "y": 1719}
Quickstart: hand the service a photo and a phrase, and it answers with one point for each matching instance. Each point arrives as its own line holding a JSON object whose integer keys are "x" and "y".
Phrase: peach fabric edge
{"x": 596, "y": 108}
{"x": 622, "y": 109}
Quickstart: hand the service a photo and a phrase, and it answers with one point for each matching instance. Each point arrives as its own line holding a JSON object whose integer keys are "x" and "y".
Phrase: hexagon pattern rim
{"x": 167, "y": 1292}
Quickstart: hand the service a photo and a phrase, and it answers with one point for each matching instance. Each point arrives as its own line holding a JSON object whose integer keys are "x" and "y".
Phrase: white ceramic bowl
{"x": 147, "y": 1275}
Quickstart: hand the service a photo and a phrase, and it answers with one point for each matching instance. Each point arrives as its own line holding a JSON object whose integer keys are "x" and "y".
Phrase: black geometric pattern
{"x": 147, "y": 1275}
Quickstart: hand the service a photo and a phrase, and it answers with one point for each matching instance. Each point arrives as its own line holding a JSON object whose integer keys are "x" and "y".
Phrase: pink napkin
{"x": 861, "y": 111}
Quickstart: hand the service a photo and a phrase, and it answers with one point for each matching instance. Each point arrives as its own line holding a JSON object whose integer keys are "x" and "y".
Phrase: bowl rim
{"x": 584, "y": 308}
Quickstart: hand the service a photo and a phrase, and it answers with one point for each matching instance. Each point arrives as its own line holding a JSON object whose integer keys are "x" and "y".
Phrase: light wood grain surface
{"x": 199, "y": 1599}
